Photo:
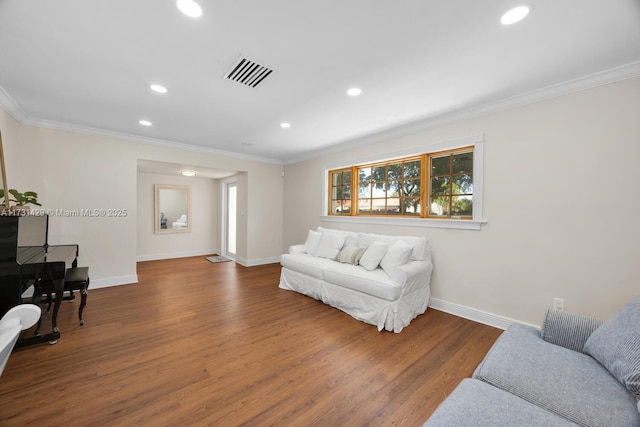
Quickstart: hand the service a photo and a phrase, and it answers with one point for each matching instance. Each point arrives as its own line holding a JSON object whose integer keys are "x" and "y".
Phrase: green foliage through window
{"x": 451, "y": 185}
{"x": 430, "y": 185}
{"x": 341, "y": 192}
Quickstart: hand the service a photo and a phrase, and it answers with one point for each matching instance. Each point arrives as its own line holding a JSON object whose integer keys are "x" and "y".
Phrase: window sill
{"x": 457, "y": 224}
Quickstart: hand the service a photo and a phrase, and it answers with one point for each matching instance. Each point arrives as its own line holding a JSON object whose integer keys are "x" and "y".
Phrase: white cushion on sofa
{"x": 373, "y": 255}
{"x": 330, "y": 245}
{"x": 398, "y": 254}
{"x": 351, "y": 237}
{"x": 308, "y": 264}
{"x": 419, "y": 244}
{"x": 313, "y": 240}
{"x": 375, "y": 282}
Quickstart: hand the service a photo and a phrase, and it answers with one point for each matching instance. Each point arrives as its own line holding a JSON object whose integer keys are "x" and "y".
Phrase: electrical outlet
{"x": 558, "y": 304}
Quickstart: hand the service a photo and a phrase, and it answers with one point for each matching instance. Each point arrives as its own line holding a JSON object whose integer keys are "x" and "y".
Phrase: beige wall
{"x": 79, "y": 171}
{"x": 205, "y": 225}
{"x": 70, "y": 172}
{"x": 560, "y": 201}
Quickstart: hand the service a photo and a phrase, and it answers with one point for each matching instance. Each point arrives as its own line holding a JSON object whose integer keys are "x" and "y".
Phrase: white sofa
{"x": 378, "y": 279}
{"x": 180, "y": 222}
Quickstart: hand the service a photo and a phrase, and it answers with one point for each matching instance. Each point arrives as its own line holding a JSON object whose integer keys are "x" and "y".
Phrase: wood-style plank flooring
{"x": 195, "y": 343}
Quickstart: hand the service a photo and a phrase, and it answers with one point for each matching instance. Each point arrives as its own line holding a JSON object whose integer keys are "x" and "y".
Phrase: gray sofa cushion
{"x": 570, "y": 384}
{"x": 568, "y": 329}
{"x": 616, "y": 345}
{"x": 477, "y": 404}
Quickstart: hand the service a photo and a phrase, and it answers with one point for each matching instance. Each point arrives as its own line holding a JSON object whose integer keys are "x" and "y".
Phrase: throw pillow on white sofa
{"x": 313, "y": 240}
{"x": 330, "y": 245}
{"x": 350, "y": 254}
{"x": 373, "y": 255}
{"x": 398, "y": 254}
{"x": 351, "y": 237}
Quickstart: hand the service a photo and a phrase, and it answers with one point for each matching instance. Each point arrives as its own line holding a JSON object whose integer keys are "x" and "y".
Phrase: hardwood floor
{"x": 196, "y": 343}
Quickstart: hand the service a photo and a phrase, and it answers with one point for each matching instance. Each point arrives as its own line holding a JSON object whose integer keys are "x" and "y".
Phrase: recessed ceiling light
{"x": 158, "y": 88}
{"x": 285, "y": 125}
{"x": 354, "y": 91}
{"x": 189, "y": 8}
{"x": 188, "y": 173}
{"x": 515, "y": 15}
{"x": 145, "y": 122}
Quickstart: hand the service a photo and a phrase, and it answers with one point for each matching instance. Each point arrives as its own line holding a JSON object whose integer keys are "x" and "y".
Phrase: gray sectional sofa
{"x": 575, "y": 370}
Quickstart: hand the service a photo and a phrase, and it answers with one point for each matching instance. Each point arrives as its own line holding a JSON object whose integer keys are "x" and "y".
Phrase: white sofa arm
{"x": 413, "y": 275}
{"x": 414, "y": 268}
{"x": 297, "y": 249}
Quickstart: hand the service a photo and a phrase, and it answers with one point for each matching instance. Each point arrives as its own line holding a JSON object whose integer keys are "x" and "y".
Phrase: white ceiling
{"x": 152, "y": 166}
{"x": 87, "y": 65}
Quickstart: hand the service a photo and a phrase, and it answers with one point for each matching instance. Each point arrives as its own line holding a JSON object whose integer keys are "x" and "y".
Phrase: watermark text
{"x": 68, "y": 213}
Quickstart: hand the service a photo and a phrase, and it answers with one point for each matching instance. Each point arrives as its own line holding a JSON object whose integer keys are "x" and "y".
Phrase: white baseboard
{"x": 241, "y": 261}
{"x": 254, "y": 262}
{"x": 476, "y": 315}
{"x": 99, "y": 283}
{"x": 113, "y": 281}
{"x": 183, "y": 254}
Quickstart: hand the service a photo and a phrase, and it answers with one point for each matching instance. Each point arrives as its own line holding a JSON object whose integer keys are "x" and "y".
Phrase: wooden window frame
{"x": 425, "y": 186}
{"x": 331, "y": 187}
{"x": 428, "y": 177}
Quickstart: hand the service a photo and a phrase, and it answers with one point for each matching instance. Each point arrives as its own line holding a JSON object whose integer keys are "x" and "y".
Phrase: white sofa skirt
{"x": 390, "y": 315}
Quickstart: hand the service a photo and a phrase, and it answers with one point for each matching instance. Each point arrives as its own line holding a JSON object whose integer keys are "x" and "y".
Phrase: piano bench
{"x": 77, "y": 279}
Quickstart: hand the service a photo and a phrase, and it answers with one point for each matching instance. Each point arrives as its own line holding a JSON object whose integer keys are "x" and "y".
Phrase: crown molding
{"x": 601, "y": 78}
{"x": 11, "y": 107}
{"x": 86, "y": 130}
{"x": 612, "y": 75}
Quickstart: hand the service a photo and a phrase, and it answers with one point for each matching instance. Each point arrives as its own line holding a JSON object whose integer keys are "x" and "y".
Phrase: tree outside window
{"x": 451, "y": 185}
{"x": 341, "y": 192}
{"x": 430, "y": 185}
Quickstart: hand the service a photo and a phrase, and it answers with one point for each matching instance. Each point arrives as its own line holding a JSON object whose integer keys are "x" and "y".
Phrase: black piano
{"x": 27, "y": 259}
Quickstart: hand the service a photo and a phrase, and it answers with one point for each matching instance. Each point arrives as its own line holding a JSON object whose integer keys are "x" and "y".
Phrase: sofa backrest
{"x": 421, "y": 250}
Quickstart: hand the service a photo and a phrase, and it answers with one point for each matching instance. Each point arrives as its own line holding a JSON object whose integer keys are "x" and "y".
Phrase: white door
{"x": 231, "y": 199}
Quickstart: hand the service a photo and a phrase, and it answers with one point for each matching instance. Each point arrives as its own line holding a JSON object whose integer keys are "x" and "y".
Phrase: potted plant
{"x": 21, "y": 199}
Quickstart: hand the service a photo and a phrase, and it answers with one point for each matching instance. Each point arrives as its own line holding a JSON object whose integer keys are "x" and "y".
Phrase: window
{"x": 341, "y": 192}
{"x": 391, "y": 188}
{"x": 431, "y": 185}
{"x": 451, "y": 184}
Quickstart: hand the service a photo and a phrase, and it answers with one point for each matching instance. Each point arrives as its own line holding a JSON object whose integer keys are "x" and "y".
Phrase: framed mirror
{"x": 172, "y": 209}
{"x": 4, "y": 201}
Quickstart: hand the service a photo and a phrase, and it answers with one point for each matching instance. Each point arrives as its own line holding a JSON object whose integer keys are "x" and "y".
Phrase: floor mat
{"x": 217, "y": 259}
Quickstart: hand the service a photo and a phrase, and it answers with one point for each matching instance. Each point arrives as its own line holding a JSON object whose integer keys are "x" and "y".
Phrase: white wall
{"x": 205, "y": 225}
{"x": 560, "y": 200}
{"x": 73, "y": 170}
{"x": 70, "y": 172}
{"x": 261, "y": 199}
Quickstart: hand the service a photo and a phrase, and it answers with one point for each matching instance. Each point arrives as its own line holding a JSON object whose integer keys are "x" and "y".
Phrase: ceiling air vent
{"x": 247, "y": 72}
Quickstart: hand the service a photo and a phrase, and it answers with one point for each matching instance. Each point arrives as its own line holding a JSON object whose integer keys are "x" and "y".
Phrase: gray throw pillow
{"x": 350, "y": 254}
{"x": 616, "y": 345}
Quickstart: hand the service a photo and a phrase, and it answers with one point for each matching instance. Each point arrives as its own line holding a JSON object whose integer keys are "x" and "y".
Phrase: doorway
{"x": 231, "y": 203}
